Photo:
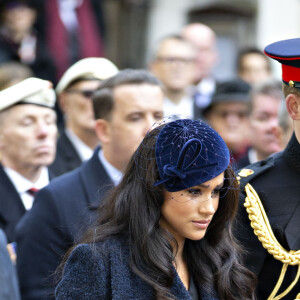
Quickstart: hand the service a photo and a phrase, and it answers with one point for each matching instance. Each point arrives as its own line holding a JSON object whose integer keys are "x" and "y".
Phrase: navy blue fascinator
{"x": 188, "y": 153}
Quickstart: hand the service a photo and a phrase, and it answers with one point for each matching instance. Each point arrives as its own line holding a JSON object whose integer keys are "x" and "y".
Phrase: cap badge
{"x": 291, "y": 83}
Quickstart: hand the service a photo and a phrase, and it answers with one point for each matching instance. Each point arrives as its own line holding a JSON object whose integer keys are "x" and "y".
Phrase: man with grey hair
{"x": 125, "y": 107}
{"x": 203, "y": 38}
{"x": 27, "y": 145}
{"x": 266, "y": 99}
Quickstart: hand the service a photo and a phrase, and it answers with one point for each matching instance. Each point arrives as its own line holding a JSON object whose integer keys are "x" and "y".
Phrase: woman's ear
{"x": 293, "y": 106}
{"x": 102, "y": 129}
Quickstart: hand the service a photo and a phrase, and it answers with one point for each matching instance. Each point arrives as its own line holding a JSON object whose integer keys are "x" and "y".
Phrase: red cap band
{"x": 290, "y": 73}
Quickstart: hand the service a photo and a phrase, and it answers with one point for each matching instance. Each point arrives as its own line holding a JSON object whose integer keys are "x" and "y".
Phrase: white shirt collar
{"x": 84, "y": 151}
{"x": 114, "y": 174}
{"x": 185, "y": 107}
{"x": 252, "y": 155}
{"x": 206, "y": 86}
{"x": 22, "y": 184}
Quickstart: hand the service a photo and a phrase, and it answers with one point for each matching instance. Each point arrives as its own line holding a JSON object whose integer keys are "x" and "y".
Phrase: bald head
{"x": 204, "y": 40}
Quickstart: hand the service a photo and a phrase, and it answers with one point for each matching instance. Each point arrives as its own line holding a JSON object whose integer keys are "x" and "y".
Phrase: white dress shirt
{"x": 84, "y": 151}
{"x": 114, "y": 174}
{"x": 22, "y": 184}
{"x": 185, "y": 107}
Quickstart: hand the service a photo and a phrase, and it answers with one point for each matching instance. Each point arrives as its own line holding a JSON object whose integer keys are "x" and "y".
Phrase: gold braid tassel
{"x": 263, "y": 230}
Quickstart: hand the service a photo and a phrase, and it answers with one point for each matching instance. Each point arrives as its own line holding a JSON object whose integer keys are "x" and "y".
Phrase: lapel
{"x": 95, "y": 180}
{"x": 67, "y": 158}
{"x": 11, "y": 205}
{"x": 181, "y": 292}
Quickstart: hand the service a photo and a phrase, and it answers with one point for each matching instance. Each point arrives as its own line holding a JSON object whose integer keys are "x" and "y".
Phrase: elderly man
{"x": 125, "y": 108}
{"x": 264, "y": 136}
{"x": 270, "y": 205}
{"x": 203, "y": 38}
{"x": 174, "y": 64}
{"x": 27, "y": 145}
{"x": 78, "y": 139}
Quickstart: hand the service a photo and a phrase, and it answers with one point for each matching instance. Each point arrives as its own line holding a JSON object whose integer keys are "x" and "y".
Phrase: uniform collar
{"x": 291, "y": 154}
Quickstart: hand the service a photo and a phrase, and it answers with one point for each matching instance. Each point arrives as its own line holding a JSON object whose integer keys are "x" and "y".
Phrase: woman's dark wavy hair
{"x": 133, "y": 209}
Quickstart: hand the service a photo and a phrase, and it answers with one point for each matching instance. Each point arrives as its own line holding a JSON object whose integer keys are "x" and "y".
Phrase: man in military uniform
{"x": 270, "y": 201}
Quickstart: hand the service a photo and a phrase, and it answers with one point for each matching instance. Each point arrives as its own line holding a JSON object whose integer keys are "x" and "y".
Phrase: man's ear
{"x": 102, "y": 129}
{"x": 293, "y": 106}
{"x": 62, "y": 101}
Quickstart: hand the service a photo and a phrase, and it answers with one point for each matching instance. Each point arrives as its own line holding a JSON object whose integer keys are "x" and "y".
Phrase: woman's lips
{"x": 203, "y": 224}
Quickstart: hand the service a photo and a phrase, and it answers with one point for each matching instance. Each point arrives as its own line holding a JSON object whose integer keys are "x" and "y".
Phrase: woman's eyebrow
{"x": 208, "y": 185}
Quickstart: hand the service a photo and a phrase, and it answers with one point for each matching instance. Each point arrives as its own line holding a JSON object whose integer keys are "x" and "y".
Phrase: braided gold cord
{"x": 263, "y": 230}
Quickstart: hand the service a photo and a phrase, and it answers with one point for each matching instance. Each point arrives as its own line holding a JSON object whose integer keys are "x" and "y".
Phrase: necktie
{"x": 32, "y": 192}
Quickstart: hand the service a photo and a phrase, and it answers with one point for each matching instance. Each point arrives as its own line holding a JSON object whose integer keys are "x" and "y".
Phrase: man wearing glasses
{"x": 78, "y": 140}
{"x": 174, "y": 64}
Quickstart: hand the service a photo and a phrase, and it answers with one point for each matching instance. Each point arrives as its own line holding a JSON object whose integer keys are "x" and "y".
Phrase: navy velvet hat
{"x": 189, "y": 153}
{"x": 287, "y": 52}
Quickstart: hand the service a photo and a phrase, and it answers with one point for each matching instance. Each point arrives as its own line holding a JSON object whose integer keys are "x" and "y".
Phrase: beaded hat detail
{"x": 188, "y": 153}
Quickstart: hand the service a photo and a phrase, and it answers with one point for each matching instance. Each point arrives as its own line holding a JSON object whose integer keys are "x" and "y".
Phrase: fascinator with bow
{"x": 188, "y": 153}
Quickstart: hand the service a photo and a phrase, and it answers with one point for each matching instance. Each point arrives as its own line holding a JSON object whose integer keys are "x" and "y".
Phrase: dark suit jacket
{"x": 102, "y": 271}
{"x": 277, "y": 182}
{"x": 60, "y": 213}
{"x": 11, "y": 205}
{"x": 67, "y": 158}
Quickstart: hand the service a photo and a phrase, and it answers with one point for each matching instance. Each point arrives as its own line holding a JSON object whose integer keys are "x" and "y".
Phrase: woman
{"x": 166, "y": 231}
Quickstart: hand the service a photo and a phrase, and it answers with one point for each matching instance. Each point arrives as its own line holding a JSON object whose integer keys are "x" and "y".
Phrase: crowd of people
{"x": 152, "y": 183}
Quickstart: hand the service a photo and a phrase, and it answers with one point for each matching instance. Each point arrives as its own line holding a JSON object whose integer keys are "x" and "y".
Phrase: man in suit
{"x": 204, "y": 40}
{"x": 28, "y": 135}
{"x": 272, "y": 249}
{"x": 78, "y": 138}
{"x": 174, "y": 64}
{"x": 125, "y": 107}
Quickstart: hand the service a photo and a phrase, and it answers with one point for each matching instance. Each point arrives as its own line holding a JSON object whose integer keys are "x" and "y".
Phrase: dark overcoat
{"x": 12, "y": 208}
{"x": 67, "y": 158}
{"x": 102, "y": 271}
{"x": 61, "y": 212}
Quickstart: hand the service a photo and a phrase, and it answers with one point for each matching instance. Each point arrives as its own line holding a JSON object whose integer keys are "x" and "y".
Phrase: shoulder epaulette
{"x": 248, "y": 173}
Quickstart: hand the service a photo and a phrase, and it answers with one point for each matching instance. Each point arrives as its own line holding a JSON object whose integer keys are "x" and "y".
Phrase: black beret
{"x": 230, "y": 91}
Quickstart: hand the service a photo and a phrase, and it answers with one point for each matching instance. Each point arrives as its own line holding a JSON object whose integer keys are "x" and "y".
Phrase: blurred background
{"x": 134, "y": 26}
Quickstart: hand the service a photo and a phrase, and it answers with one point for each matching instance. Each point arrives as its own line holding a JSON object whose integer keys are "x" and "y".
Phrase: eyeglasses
{"x": 172, "y": 60}
{"x": 85, "y": 93}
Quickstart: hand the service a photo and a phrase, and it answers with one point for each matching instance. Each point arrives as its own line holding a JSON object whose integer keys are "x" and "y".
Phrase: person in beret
{"x": 165, "y": 231}
{"x": 125, "y": 107}
{"x": 269, "y": 212}
{"x": 77, "y": 139}
{"x": 228, "y": 114}
{"x": 28, "y": 135}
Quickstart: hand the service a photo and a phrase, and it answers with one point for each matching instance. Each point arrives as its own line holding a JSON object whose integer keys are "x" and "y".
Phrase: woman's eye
{"x": 195, "y": 192}
{"x": 215, "y": 192}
